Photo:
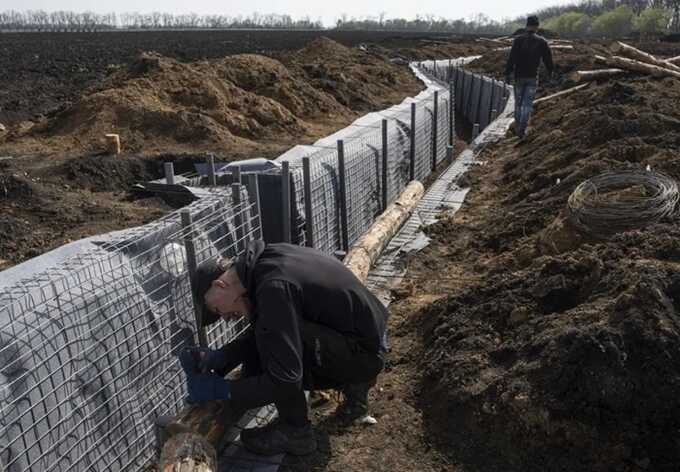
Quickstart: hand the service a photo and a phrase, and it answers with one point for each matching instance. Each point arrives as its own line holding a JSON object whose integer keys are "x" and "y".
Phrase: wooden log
{"x": 560, "y": 94}
{"x": 558, "y": 47}
{"x": 490, "y": 40}
{"x": 637, "y": 66}
{"x": 188, "y": 452}
{"x": 363, "y": 254}
{"x": 673, "y": 60}
{"x": 587, "y": 75}
{"x": 623, "y": 49}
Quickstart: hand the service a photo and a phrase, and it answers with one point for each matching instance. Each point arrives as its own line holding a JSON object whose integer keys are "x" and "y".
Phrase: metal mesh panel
{"x": 424, "y": 116}
{"x": 398, "y": 154}
{"x": 87, "y": 349}
{"x": 362, "y": 169}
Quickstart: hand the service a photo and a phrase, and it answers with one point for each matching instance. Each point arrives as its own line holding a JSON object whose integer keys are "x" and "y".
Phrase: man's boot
{"x": 280, "y": 438}
{"x": 355, "y": 404}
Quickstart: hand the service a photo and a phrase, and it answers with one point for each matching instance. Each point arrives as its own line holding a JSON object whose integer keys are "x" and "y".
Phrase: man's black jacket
{"x": 525, "y": 56}
{"x": 289, "y": 285}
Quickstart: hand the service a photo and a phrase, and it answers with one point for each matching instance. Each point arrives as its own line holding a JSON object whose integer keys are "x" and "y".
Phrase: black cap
{"x": 206, "y": 273}
{"x": 532, "y": 20}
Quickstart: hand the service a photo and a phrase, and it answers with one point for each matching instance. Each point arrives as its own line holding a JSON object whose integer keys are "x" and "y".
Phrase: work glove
{"x": 189, "y": 360}
{"x": 212, "y": 360}
{"x": 207, "y": 387}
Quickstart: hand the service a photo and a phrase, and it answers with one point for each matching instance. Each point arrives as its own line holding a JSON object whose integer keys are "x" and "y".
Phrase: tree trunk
{"x": 363, "y": 254}
{"x": 633, "y": 53}
{"x": 637, "y": 66}
{"x": 188, "y": 452}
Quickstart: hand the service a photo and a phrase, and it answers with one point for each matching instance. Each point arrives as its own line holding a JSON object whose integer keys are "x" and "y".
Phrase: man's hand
{"x": 212, "y": 360}
{"x": 189, "y": 360}
{"x": 207, "y": 387}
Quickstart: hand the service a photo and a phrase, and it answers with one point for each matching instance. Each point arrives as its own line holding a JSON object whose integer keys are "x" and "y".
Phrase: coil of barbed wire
{"x": 615, "y": 202}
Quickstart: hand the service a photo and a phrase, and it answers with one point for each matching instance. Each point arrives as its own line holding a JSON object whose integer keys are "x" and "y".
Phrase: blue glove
{"x": 212, "y": 359}
{"x": 189, "y": 360}
{"x": 207, "y": 387}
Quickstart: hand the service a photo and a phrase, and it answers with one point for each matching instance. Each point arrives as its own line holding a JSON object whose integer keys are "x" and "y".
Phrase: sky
{"x": 327, "y": 11}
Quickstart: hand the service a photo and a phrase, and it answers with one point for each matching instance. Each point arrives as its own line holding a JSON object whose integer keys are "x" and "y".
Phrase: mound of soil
{"x": 158, "y": 103}
{"x": 550, "y": 350}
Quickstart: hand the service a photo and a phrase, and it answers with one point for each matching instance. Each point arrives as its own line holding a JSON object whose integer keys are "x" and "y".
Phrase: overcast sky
{"x": 327, "y": 11}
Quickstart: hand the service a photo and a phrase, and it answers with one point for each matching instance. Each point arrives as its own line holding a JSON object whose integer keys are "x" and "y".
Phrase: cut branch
{"x": 560, "y": 94}
{"x": 637, "y": 66}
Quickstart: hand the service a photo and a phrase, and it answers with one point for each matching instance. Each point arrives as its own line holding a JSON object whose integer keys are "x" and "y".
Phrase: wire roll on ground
{"x": 615, "y": 202}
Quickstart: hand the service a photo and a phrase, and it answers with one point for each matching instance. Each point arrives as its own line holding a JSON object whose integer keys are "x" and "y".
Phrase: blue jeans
{"x": 525, "y": 90}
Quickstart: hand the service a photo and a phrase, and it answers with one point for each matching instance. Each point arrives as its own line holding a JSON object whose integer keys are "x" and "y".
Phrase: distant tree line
{"x": 596, "y": 17}
{"x": 39, "y": 20}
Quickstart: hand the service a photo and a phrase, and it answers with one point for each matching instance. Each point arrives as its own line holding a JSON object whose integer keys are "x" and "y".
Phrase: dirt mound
{"x": 554, "y": 351}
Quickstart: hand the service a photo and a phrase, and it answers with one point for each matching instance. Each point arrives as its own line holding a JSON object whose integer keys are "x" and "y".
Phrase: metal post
{"x": 236, "y": 175}
{"x": 190, "y": 248}
{"x": 412, "y": 155}
{"x": 383, "y": 186}
{"x": 285, "y": 200}
{"x": 253, "y": 186}
{"x": 449, "y": 153}
{"x": 452, "y": 112}
{"x": 169, "y": 173}
{"x": 212, "y": 178}
{"x": 475, "y": 131}
{"x": 309, "y": 215}
{"x": 435, "y": 119}
{"x": 343, "y": 195}
{"x": 238, "y": 216}
{"x": 491, "y": 107}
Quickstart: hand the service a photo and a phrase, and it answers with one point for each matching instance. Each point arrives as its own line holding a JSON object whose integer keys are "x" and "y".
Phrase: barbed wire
{"x": 615, "y": 202}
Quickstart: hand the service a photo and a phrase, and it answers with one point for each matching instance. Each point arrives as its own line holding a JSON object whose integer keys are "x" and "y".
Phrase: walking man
{"x": 313, "y": 325}
{"x": 528, "y": 49}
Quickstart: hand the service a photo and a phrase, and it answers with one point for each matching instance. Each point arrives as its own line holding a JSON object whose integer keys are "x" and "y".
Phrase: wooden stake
{"x": 113, "y": 144}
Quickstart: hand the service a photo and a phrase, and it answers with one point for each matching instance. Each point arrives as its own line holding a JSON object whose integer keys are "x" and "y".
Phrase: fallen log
{"x": 490, "y": 40}
{"x": 623, "y": 49}
{"x": 558, "y": 47}
{"x": 363, "y": 254}
{"x": 673, "y": 60}
{"x": 637, "y": 66}
{"x": 188, "y": 452}
{"x": 560, "y": 94}
{"x": 588, "y": 75}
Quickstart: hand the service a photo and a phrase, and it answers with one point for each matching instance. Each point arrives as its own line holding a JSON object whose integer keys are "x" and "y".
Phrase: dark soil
{"x": 549, "y": 350}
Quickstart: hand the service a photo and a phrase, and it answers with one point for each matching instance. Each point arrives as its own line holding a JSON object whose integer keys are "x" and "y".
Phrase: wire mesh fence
{"x": 87, "y": 348}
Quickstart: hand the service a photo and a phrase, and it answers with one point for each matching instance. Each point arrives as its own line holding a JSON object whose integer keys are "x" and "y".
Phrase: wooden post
{"x": 309, "y": 210}
{"x": 412, "y": 154}
{"x": 383, "y": 186}
{"x": 212, "y": 178}
{"x": 343, "y": 195}
{"x": 285, "y": 200}
{"x": 253, "y": 186}
{"x": 190, "y": 248}
{"x": 435, "y": 127}
{"x": 475, "y": 131}
{"x": 112, "y": 143}
{"x": 493, "y": 95}
{"x": 169, "y": 173}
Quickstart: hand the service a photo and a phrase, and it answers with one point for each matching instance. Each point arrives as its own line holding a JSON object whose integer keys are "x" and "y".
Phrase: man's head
{"x": 221, "y": 292}
{"x": 532, "y": 23}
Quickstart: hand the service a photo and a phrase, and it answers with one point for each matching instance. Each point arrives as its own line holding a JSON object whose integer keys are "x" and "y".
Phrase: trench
{"x": 89, "y": 332}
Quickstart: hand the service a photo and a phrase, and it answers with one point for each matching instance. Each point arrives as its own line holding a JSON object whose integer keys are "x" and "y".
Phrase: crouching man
{"x": 313, "y": 325}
